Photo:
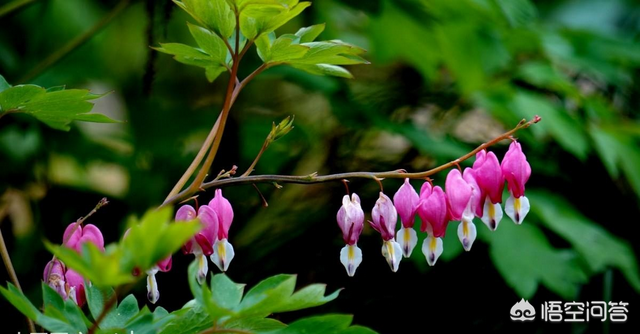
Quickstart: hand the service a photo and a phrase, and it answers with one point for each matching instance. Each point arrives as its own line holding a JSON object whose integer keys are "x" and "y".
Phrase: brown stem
{"x": 75, "y": 43}
{"x": 12, "y": 274}
{"x": 313, "y": 178}
{"x": 266, "y": 143}
{"x": 13, "y": 6}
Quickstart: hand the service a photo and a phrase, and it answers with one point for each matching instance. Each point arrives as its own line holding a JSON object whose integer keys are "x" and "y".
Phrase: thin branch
{"x": 74, "y": 43}
{"x": 314, "y": 178}
{"x": 12, "y": 274}
{"x": 13, "y": 6}
{"x": 265, "y": 145}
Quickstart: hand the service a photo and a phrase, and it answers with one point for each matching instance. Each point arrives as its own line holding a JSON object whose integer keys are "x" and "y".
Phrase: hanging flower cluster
{"x": 476, "y": 192}
{"x": 65, "y": 281}
{"x": 212, "y": 240}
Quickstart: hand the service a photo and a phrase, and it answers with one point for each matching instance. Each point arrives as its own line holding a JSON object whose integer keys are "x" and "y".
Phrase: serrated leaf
{"x": 309, "y": 34}
{"x": 211, "y": 43}
{"x": 283, "y": 50}
{"x": 599, "y": 248}
{"x": 264, "y": 17}
{"x": 225, "y": 292}
{"x": 96, "y": 299}
{"x": 56, "y": 109}
{"x": 325, "y": 69}
{"x": 120, "y": 314}
{"x": 324, "y": 324}
{"x": 310, "y": 296}
{"x": 192, "y": 320}
{"x": 19, "y": 301}
{"x": 265, "y": 296}
{"x": 333, "y": 53}
{"x": 216, "y": 15}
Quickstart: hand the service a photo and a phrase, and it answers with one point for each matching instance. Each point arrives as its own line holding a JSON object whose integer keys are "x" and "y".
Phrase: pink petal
{"x": 489, "y": 176}
{"x": 211, "y": 226}
{"x": 223, "y": 209}
{"x": 405, "y": 201}
{"x": 72, "y": 235}
{"x": 434, "y": 213}
{"x": 165, "y": 264}
{"x": 75, "y": 280}
{"x": 458, "y": 193}
{"x": 92, "y": 234}
{"x": 186, "y": 213}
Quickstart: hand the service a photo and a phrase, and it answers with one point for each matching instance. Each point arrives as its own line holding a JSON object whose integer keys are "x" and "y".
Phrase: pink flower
{"x": 385, "y": 218}
{"x": 433, "y": 212}
{"x": 350, "y": 219}
{"x": 223, "y": 250}
{"x": 488, "y": 175}
{"x": 458, "y": 194}
{"x": 76, "y": 235}
{"x": 201, "y": 245}
{"x": 406, "y": 201}
{"x": 516, "y": 170}
{"x": 54, "y": 275}
{"x": 76, "y": 287}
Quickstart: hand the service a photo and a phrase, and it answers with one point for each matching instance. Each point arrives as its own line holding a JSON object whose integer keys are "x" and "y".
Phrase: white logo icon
{"x": 523, "y": 311}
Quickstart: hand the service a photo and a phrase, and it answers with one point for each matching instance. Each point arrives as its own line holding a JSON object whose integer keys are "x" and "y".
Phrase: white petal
{"x": 152, "y": 287}
{"x": 222, "y": 254}
{"x": 517, "y": 208}
{"x": 392, "y": 253}
{"x": 492, "y": 214}
{"x": 467, "y": 234}
{"x": 351, "y": 257}
{"x": 432, "y": 249}
{"x": 407, "y": 239}
{"x": 203, "y": 267}
{"x": 72, "y": 294}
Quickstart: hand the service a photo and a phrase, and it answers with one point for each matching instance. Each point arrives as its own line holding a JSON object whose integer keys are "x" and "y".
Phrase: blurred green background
{"x": 444, "y": 77}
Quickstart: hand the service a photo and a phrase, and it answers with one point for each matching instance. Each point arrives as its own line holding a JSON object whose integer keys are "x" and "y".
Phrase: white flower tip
{"x": 432, "y": 249}
{"x": 351, "y": 257}
{"x": 492, "y": 214}
{"x": 72, "y": 294}
{"x": 517, "y": 208}
{"x": 467, "y": 234}
{"x": 152, "y": 288}
{"x": 222, "y": 255}
{"x": 203, "y": 268}
{"x": 392, "y": 252}
{"x": 408, "y": 239}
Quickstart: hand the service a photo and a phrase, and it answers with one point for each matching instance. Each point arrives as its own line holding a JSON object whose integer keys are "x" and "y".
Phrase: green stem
{"x": 74, "y": 43}
{"x": 12, "y": 274}
{"x": 13, "y": 6}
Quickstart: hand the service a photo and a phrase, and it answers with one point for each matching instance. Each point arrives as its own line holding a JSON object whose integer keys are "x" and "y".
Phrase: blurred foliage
{"x": 444, "y": 77}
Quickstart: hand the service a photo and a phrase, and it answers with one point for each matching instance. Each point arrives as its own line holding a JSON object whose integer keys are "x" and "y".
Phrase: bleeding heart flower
{"x": 461, "y": 200}
{"x": 516, "y": 170}
{"x": 406, "y": 201}
{"x": 488, "y": 175}
{"x": 350, "y": 219}
{"x": 433, "y": 212}
{"x": 385, "y": 218}
{"x": 201, "y": 245}
{"x": 223, "y": 250}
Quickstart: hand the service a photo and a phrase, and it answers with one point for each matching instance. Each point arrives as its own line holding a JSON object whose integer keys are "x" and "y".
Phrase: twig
{"x": 74, "y": 43}
{"x": 12, "y": 274}
{"x": 401, "y": 174}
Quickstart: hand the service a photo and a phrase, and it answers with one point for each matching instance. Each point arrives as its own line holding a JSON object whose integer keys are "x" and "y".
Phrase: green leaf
{"x": 191, "y": 320}
{"x": 19, "y": 301}
{"x": 225, "y": 292}
{"x": 186, "y": 54}
{"x": 56, "y": 108}
{"x": 324, "y": 324}
{"x": 120, "y": 314}
{"x": 524, "y": 258}
{"x": 607, "y": 147}
{"x": 325, "y": 69}
{"x": 96, "y": 298}
{"x": 213, "y": 71}
{"x": 263, "y": 17}
{"x": 210, "y": 43}
{"x": 310, "y": 296}
{"x": 545, "y": 76}
{"x": 358, "y": 330}
{"x": 216, "y": 15}
{"x": 518, "y": 12}
{"x": 3, "y": 84}
{"x": 333, "y": 53}
{"x": 266, "y": 295}
{"x": 599, "y": 248}
{"x": 283, "y": 50}
{"x": 309, "y": 34}
{"x": 258, "y": 325}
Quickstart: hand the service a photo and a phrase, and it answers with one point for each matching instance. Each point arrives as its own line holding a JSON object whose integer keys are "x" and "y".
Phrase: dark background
{"x": 445, "y": 76}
